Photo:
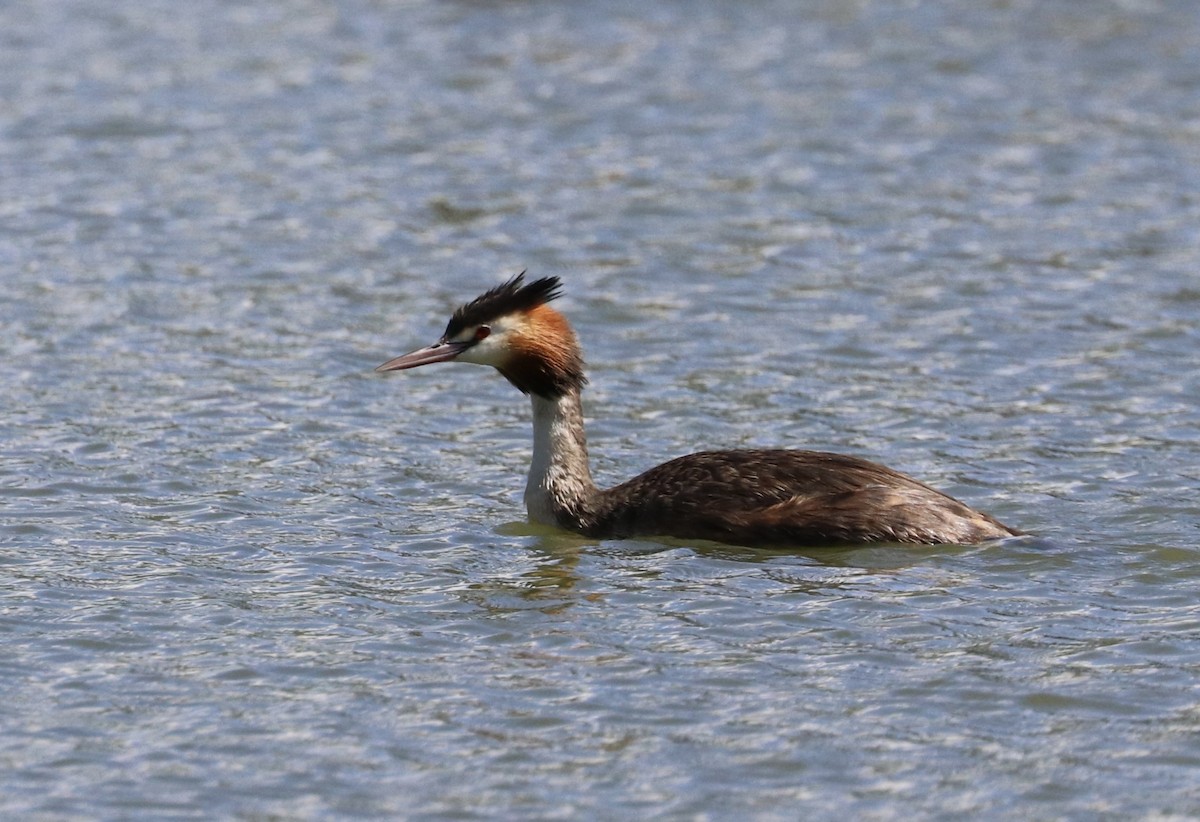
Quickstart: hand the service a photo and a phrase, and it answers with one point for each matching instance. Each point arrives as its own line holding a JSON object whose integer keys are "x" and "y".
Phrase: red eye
{"x": 482, "y": 332}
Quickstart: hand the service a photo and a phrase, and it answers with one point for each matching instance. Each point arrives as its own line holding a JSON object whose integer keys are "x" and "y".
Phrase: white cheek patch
{"x": 480, "y": 353}
{"x": 506, "y": 325}
{"x": 466, "y": 335}
{"x": 492, "y": 349}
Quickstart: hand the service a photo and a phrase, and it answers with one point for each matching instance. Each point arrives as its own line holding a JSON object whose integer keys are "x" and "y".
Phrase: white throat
{"x": 560, "y": 483}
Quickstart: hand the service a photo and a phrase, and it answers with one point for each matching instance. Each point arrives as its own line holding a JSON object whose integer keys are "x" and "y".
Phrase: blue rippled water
{"x": 242, "y": 576}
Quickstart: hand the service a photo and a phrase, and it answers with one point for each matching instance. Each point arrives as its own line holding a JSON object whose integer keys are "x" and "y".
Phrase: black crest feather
{"x": 511, "y": 297}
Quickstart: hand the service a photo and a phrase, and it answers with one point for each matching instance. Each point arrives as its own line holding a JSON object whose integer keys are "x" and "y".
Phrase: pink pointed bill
{"x": 438, "y": 352}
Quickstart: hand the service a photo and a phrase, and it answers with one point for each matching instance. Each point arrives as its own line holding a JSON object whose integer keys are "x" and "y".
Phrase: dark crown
{"x": 505, "y": 299}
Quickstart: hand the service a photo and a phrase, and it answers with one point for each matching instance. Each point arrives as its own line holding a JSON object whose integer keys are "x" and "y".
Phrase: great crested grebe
{"x": 745, "y": 497}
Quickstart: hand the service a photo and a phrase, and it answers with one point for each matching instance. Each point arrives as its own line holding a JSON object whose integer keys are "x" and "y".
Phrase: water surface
{"x": 245, "y": 577}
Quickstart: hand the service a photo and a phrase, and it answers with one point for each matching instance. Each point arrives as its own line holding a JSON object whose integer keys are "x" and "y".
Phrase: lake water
{"x": 244, "y": 577}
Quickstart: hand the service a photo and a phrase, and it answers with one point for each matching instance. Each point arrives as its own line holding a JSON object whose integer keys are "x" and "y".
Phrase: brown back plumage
{"x": 782, "y": 497}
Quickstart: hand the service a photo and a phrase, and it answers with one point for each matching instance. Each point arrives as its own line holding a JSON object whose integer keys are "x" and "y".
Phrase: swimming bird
{"x": 757, "y": 497}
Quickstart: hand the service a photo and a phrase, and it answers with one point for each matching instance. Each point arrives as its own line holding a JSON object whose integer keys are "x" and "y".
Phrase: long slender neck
{"x": 560, "y": 489}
